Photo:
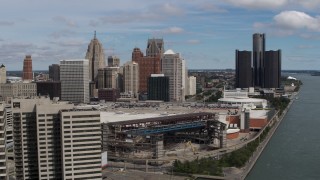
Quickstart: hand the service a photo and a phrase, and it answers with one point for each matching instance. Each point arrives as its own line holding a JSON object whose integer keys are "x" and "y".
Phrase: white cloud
{"x": 260, "y": 4}
{"x": 289, "y": 23}
{"x": 297, "y": 20}
{"x": 173, "y": 30}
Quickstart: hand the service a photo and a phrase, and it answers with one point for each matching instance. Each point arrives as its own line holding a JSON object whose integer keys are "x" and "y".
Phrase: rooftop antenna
{"x": 95, "y": 35}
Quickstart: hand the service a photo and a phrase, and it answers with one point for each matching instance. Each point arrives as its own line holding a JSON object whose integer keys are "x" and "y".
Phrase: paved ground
{"x": 137, "y": 175}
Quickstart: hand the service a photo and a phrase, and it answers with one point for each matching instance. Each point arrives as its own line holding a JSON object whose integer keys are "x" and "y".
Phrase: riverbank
{"x": 250, "y": 164}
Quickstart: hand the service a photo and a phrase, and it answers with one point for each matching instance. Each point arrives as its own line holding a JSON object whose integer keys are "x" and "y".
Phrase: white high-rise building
{"x": 192, "y": 85}
{"x": 74, "y": 77}
{"x": 172, "y": 66}
{"x": 131, "y": 77}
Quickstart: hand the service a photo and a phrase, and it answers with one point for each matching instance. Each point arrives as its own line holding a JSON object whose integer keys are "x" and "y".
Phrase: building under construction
{"x": 148, "y": 136}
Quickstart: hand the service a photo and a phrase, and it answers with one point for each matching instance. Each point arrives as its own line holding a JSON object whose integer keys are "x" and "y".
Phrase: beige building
{"x": 81, "y": 144}
{"x": 17, "y": 90}
{"x": 131, "y": 77}
{"x": 41, "y": 139}
{"x": 3, "y": 74}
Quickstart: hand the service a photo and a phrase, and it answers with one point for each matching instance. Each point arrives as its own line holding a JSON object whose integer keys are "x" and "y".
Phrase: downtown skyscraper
{"x": 262, "y": 69}
{"x": 95, "y": 55}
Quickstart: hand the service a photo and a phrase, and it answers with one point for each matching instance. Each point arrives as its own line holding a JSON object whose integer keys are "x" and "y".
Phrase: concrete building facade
{"x": 74, "y": 77}
{"x": 81, "y": 144}
{"x": 10, "y": 90}
{"x": 50, "y": 138}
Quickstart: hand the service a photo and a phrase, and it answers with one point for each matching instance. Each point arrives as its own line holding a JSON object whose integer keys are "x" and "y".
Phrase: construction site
{"x": 160, "y": 136}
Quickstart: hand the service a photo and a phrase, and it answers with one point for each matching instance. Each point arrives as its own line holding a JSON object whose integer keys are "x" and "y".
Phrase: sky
{"x": 205, "y": 32}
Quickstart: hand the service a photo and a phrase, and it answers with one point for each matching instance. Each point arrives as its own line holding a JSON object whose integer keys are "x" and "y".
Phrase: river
{"x": 294, "y": 150}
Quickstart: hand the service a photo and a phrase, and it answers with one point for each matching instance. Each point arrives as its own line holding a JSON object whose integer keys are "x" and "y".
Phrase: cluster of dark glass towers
{"x": 259, "y": 68}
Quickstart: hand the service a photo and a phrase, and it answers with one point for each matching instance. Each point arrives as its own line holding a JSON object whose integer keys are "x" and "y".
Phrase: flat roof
{"x": 126, "y": 118}
{"x": 110, "y": 117}
{"x": 242, "y": 100}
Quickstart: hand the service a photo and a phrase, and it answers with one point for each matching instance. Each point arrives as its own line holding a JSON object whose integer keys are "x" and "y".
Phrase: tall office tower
{"x": 158, "y": 87}
{"x": 95, "y": 54}
{"x": 108, "y": 77}
{"x": 272, "y": 65}
{"x": 81, "y": 144}
{"x": 172, "y": 68}
{"x": 54, "y": 72}
{"x": 113, "y": 61}
{"x": 149, "y": 64}
{"x": 243, "y": 69}
{"x": 27, "y": 69}
{"x": 192, "y": 85}
{"x": 258, "y": 59}
{"x": 43, "y": 145}
{"x": 3, "y": 157}
{"x": 131, "y": 77}
{"x": 3, "y": 74}
{"x": 155, "y": 47}
{"x": 74, "y": 77}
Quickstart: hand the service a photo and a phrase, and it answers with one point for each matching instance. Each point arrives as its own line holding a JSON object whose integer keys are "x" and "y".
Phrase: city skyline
{"x": 205, "y": 32}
